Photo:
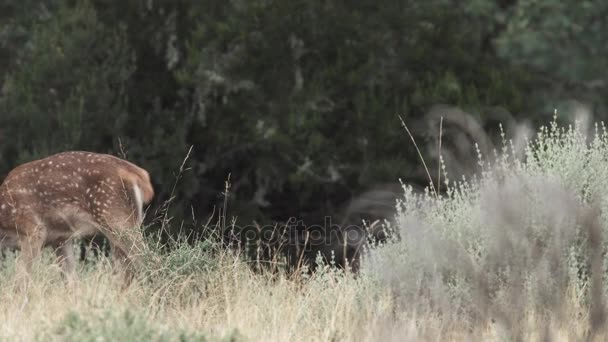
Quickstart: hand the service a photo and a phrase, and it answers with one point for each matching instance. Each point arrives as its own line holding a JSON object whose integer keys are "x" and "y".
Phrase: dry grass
{"x": 229, "y": 302}
{"x": 516, "y": 254}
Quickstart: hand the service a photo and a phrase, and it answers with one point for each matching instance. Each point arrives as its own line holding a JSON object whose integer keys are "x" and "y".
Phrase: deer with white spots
{"x": 51, "y": 201}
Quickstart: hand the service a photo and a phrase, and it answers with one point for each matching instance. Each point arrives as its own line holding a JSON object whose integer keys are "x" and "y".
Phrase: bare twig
{"x": 420, "y": 155}
{"x": 172, "y": 194}
{"x": 439, "y": 156}
{"x": 225, "y": 208}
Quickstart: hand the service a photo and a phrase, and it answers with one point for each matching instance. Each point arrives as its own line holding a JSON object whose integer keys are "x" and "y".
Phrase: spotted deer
{"x": 51, "y": 201}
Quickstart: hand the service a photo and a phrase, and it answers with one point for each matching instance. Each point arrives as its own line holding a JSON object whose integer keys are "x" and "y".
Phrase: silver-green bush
{"x": 523, "y": 239}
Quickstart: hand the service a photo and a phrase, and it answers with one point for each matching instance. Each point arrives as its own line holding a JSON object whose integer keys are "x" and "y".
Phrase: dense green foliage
{"x": 297, "y": 101}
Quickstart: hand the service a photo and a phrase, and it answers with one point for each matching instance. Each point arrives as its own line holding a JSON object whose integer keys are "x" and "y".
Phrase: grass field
{"x": 515, "y": 253}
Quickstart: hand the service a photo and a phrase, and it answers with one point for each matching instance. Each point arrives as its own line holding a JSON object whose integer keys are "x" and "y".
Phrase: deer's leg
{"x": 126, "y": 261}
{"x": 31, "y": 243}
{"x": 127, "y": 244}
{"x": 126, "y": 251}
{"x": 65, "y": 255}
{"x": 121, "y": 224}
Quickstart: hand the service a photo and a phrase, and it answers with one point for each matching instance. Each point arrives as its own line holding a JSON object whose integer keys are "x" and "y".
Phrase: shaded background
{"x": 299, "y": 101}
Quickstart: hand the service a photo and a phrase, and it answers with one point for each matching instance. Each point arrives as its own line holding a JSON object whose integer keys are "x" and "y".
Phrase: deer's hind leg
{"x": 126, "y": 241}
{"x": 121, "y": 217}
{"x": 65, "y": 255}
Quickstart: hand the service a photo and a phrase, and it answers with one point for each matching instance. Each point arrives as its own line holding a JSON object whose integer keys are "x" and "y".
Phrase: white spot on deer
{"x": 3, "y": 206}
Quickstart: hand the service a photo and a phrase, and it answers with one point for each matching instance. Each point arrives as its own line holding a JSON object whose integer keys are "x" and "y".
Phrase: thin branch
{"x": 420, "y": 155}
